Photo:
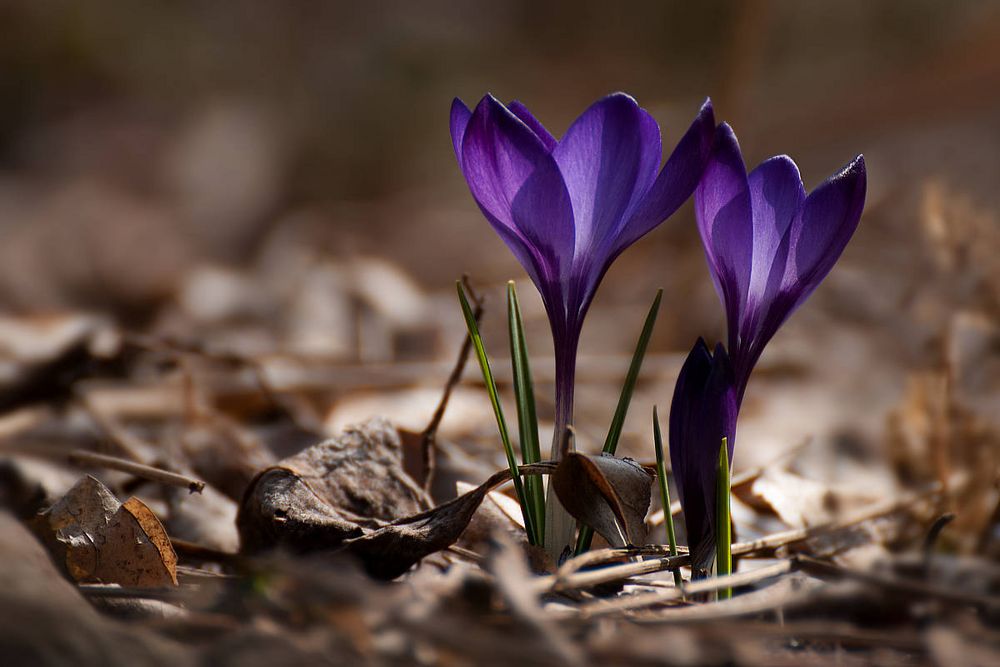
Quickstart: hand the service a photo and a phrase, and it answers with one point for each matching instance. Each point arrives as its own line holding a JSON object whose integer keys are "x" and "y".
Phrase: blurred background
{"x": 275, "y": 182}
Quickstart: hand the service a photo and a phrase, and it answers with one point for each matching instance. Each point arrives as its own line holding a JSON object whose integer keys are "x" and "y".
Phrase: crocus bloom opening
{"x": 768, "y": 245}
{"x": 703, "y": 412}
{"x": 567, "y": 208}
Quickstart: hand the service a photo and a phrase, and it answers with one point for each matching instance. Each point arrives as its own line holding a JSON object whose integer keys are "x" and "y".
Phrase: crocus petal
{"x": 543, "y": 213}
{"x": 608, "y": 158}
{"x": 776, "y": 196}
{"x": 529, "y": 119}
{"x": 725, "y": 221}
{"x": 460, "y": 116}
{"x": 703, "y": 412}
{"x": 676, "y": 181}
{"x": 499, "y": 153}
{"x": 825, "y": 224}
{"x": 519, "y": 187}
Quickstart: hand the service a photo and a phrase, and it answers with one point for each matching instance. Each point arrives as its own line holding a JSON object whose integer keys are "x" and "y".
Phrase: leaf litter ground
{"x": 221, "y": 451}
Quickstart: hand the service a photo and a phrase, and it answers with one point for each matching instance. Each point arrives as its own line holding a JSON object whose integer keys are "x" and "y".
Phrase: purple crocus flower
{"x": 702, "y": 413}
{"x": 567, "y": 208}
{"x": 768, "y": 245}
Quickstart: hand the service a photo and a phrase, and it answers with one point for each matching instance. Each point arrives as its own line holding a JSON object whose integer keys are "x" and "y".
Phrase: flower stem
{"x": 559, "y": 525}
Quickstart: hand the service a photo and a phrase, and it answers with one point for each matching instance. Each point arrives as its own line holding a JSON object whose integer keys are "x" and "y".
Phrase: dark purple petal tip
{"x": 702, "y": 413}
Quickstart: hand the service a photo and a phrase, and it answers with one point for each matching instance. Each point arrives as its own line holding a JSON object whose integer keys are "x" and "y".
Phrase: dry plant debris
{"x": 272, "y": 561}
{"x": 101, "y": 540}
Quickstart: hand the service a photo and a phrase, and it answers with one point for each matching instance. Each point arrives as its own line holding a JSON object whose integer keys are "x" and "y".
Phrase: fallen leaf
{"x": 391, "y": 550}
{"x": 498, "y": 513}
{"x": 98, "y": 539}
{"x": 609, "y": 494}
{"x": 46, "y": 621}
{"x": 329, "y": 492}
{"x": 352, "y": 493}
{"x": 801, "y": 502}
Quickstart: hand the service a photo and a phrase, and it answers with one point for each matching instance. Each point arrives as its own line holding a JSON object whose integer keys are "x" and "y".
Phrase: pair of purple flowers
{"x": 568, "y": 208}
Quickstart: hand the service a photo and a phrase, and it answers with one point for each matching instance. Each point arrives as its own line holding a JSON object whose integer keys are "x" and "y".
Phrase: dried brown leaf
{"x": 353, "y": 493}
{"x": 329, "y": 492}
{"x": 99, "y": 539}
{"x": 609, "y": 494}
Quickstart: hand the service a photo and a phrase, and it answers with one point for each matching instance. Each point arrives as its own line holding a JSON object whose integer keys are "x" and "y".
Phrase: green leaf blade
{"x": 527, "y": 418}
{"x": 723, "y": 532}
{"x": 491, "y": 388}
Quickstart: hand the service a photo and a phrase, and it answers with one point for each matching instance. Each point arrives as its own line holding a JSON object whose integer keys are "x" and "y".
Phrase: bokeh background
{"x": 275, "y": 180}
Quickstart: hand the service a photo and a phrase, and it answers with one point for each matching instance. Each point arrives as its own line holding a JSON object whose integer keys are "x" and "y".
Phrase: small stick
{"x": 84, "y": 458}
{"x": 554, "y": 583}
{"x": 142, "y": 470}
{"x": 786, "y": 591}
{"x": 115, "y": 591}
{"x": 467, "y": 554}
{"x": 632, "y": 602}
{"x": 428, "y": 438}
{"x": 610, "y": 555}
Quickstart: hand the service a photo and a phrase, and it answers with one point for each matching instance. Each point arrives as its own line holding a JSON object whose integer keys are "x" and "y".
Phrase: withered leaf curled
{"x": 352, "y": 493}
{"x": 329, "y": 492}
{"x": 609, "y": 494}
{"x": 98, "y": 539}
{"x": 392, "y": 549}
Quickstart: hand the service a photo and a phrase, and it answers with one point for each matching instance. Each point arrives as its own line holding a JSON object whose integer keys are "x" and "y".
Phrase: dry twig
{"x": 84, "y": 458}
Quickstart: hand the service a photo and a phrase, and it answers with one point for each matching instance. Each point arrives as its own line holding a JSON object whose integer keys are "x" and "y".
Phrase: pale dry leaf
{"x": 801, "y": 502}
{"x": 100, "y": 540}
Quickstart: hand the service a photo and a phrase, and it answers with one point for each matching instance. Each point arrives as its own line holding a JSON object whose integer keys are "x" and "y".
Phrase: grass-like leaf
{"x": 661, "y": 475}
{"x": 618, "y": 421}
{"x": 491, "y": 388}
{"x": 723, "y": 534}
{"x": 527, "y": 419}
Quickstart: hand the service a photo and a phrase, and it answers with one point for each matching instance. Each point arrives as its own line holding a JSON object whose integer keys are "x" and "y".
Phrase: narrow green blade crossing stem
{"x": 491, "y": 388}
{"x": 661, "y": 475}
{"x": 527, "y": 419}
{"x": 723, "y": 533}
{"x": 618, "y": 421}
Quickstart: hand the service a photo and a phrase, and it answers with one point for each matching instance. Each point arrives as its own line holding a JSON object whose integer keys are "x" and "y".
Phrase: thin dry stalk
{"x": 87, "y": 459}
{"x": 673, "y": 594}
